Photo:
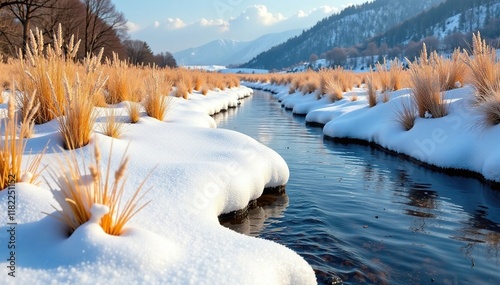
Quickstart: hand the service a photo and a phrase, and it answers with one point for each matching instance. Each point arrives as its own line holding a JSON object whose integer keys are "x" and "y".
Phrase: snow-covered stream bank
{"x": 201, "y": 172}
{"x": 457, "y": 141}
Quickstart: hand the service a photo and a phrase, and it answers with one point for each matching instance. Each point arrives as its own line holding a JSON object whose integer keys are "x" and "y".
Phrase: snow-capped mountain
{"x": 226, "y": 52}
{"x": 348, "y": 28}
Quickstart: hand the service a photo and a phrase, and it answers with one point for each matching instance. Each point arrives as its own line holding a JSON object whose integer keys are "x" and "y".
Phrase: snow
{"x": 456, "y": 141}
{"x": 197, "y": 173}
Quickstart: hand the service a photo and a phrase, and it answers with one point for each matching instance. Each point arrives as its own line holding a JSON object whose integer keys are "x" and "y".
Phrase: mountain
{"x": 349, "y": 27}
{"x": 226, "y": 52}
{"x": 446, "y": 20}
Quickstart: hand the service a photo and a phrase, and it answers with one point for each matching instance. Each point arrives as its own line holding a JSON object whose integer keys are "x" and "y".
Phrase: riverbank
{"x": 455, "y": 143}
{"x": 196, "y": 173}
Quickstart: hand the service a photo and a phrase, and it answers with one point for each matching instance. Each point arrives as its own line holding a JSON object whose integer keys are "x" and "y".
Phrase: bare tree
{"x": 164, "y": 59}
{"x": 26, "y": 11}
{"x": 69, "y": 13}
{"x": 138, "y": 52}
{"x": 102, "y": 23}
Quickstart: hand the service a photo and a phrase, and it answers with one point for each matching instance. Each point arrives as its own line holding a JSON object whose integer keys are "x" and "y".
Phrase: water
{"x": 362, "y": 216}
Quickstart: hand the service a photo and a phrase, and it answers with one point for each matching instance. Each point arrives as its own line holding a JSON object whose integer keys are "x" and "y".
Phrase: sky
{"x": 177, "y": 25}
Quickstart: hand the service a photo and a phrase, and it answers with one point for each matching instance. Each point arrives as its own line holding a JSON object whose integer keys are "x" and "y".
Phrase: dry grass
{"x": 45, "y": 70}
{"x": 334, "y": 90}
{"x": 181, "y": 90}
{"x": 426, "y": 89}
{"x": 77, "y": 124}
{"x": 483, "y": 68}
{"x": 490, "y": 110}
{"x": 157, "y": 100}
{"x": 113, "y": 127}
{"x": 122, "y": 81}
{"x": 451, "y": 71}
{"x": 371, "y": 90}
{"x": 76, "y": 198}
{"x": 407, "y": 114}
{"x": 12, "y": 147}
{"x": 134, "y": 112}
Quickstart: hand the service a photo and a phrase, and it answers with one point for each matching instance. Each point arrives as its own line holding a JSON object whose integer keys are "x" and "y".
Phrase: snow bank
{"x": 456, "y": 141}
{"x": 200, "y": 172}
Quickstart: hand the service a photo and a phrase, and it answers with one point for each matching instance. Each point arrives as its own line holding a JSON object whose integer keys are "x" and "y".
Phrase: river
{"x": 361, "y": 216}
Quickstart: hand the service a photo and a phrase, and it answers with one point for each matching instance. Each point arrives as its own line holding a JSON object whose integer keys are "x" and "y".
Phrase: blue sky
{"x": 177, "y": 25}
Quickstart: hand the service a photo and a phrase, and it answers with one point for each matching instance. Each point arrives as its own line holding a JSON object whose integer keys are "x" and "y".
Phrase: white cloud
{"x": 173, "y": 24}
{"x": 132, "y": 27}
{"x": 173, "y": 34}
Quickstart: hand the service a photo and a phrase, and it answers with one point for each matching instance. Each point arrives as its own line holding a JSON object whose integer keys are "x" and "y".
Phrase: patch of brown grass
{"x": 484, "y": 72}
{"x": 77, "y": 125}
{"x": 113, "y": 127}
{"x": 371, "y": 90}
{"x": 426, "y": 89}
{"x": 12, "y": 147}
{"x": 157, "y": 100}
{"x": 78, "y": 199}
{"x": 407, "y": 114}
{"x": 45, "y": 69}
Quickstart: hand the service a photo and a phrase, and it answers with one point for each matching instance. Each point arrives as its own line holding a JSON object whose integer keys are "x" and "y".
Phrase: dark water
{"x": 367, "y": 217}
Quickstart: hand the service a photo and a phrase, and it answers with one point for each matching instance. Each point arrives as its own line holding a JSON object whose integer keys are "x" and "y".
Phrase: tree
{"x": 165, "y": 59}
{"x": 336, "y": 57}
{"x": 313, "y": 58}
{"x": 25, "y": 11}
{"x": 138, "y": 52}
{"x": 104, "y": 25}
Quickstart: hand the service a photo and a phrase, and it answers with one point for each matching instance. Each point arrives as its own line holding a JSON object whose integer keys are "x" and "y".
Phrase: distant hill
{"x": 230, "y": 52}
{"x": 360, "y": 35}
{"x": 350, "y": 27}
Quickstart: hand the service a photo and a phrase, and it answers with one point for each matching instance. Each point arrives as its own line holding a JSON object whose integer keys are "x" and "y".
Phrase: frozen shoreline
{"x": 201, "y": 172}
{"x": 453, "y": 143}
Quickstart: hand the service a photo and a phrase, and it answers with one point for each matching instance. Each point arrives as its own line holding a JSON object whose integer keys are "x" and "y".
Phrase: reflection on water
{"x": 364, "y": 216}
{"x": 268, "y": 209}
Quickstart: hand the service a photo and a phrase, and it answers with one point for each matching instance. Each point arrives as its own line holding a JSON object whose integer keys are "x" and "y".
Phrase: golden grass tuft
{"x": 426, "y": 89}
{"x": 12, "y": 147}
{"x": 44, "y": 70}
{"x": 451, "y": 71}
{"x": 157, "y": 100}
{"x": 407, "y": 114}
{"x": 334, "y": 90}
{"x": 76, "y": 197}
{"x": 484, "y": 72}
{"x": 134, "y": 112}
{"x": 113, "y": 127}
{"x": 490, "y": 109}
{"x": 77, "y": 124}
{"x": 181, "y": 90}
{"x": 371, "y": 90}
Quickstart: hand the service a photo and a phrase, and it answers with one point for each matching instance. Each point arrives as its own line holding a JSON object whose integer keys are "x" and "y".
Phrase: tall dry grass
{"x": 77, "y": 123}
{"x": 77, "y": 198}
{"x": 13, "y": 146}
{"x": 426, "y": 87}
{"x": 406, "y": 114}
{"x": 43, "y": 70}
{"x": 371, "y": 90}
{"x": 483, "y": 68}
{"x": 451, "y": 71}
{"x": 112, "y": 126}
{"x": 157, "y": 100}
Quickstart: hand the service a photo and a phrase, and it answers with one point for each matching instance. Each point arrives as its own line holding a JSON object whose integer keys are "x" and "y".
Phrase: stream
{"x": 359, "y": 215}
